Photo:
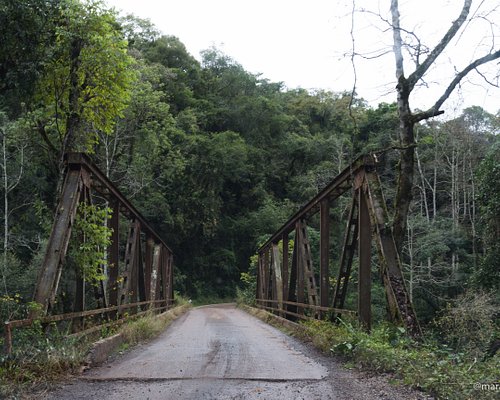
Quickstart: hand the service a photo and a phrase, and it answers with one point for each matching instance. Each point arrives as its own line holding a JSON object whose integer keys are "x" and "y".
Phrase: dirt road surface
{"x": 221, "y": 352}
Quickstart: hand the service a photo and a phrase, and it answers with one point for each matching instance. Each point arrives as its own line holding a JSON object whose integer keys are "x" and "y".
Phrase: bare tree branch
{"x": 487, "y": 80}
{"x": 455, "y": 26}
{"x": 434, "y": 110}
{"x": 398, "y": 41}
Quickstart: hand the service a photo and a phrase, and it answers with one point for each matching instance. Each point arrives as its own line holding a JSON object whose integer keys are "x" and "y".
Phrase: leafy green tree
{"x": 85, "y": 83}
{"x": 27, "y": 31}
{"x": 488, "y": 275}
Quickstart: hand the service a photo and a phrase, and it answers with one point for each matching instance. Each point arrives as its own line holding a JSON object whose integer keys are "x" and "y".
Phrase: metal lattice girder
{"x": 348, "y": 250}
{"x": 278, "y": 277}
{"x": 50, "y": 273}
{"x": 307, "y": 264}
{"x": 368, "y": 218}
{"x": 81, "y": 178}
{"x": 398, "y": 299}
{"x": 324, "y": 257}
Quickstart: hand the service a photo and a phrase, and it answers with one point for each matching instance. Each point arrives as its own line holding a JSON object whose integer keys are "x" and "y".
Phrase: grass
{"x": 427, "y": 366}
{"x": 40, "y": 360}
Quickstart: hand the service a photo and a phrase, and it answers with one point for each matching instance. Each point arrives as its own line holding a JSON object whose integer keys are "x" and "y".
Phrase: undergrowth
{"x": 46, "y": 354}
{"x": 429, "y": 365}
{"x": 41, "y": 355}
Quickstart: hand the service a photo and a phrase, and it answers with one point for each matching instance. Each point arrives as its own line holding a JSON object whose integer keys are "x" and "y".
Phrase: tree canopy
{"x": 216, "y": 157}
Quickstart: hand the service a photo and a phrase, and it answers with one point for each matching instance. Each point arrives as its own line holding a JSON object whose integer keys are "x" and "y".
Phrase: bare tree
{"x": 405, "y": 86}
{"x": 407, "y": 118}
{"x": 10, "y": 180}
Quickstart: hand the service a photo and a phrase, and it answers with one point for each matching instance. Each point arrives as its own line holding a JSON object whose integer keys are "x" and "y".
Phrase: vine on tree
{"x": 90, "y": 255}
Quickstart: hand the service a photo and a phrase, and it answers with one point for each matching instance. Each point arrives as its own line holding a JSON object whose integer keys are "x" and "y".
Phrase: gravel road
{"x": 221, "y": 352}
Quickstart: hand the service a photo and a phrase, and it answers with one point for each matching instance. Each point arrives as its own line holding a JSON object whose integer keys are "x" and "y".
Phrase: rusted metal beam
{"x": 170, "y": 277}
{"x": 148, "y": 265}
{"x": 108, "y": 189}
{"x": 9, "y": 325}
{"x": 114, "y": 252}
{"x": 266, "y": 271}
{"x": 285, "y": 267}
{"x": 292, "y": 289}
{"x": 306, "y": 259}
{"x": 338, "y": 186}
{"x": 300, "y": 266}
{"x": 278, "y": 275}
{"x": 141, "y": 281}
{"x": 368, "y": 210}
{"x": 365, "y": 252}
{"x": 348, "y": 249}
{"x": 50, "y": 272}
{"x": 312, "y": 307}
{"x": 398, "y": 299}
{"x": 324, "y": 245}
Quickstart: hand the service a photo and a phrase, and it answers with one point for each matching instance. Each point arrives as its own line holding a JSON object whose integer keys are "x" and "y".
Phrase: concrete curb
{"x": 103, "y": 348}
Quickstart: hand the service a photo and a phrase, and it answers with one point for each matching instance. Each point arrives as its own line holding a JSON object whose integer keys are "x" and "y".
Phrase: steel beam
{"x": 398, "y": 299}
{"x": 114, "y": 253}
{"x": 148, "y": 265}
{"x": 278, "y": 277}
{"x": 338, "y": 186}
{"x": 348, "y": 249}
{"x": 50, "y": 272}
{"x": 102, "y": 184}
{"x": 364, "y": 251}
{"x": 324, "y": 245}
{"x": 285, "y": 267}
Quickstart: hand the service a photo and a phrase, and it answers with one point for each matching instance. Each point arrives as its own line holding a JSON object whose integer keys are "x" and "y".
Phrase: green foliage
{"x": 94, "y": 236}
{"x": 488, "y": 276}
{"x": 246, "y": 293}
{"x": 430, "y": 366}
{"x": 468, "y": 325}
{"x": 41, "y": 354}
{"x": 86, "y": 79}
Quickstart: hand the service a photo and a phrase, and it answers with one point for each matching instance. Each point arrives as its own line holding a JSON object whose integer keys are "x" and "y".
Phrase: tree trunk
{"x": 406, "y": 163}
{"x": 6, "y": 213}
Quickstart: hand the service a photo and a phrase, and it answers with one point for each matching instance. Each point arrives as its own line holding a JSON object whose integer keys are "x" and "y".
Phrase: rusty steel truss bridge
{"x": 138, "y": 275}
{"x": 291, "y": 289}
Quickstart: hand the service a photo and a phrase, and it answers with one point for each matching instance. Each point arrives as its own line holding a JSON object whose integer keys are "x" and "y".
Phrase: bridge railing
{"x": 314, "y": 310}
{"x": 109, "y": 314}
{"x": 138, "y": 271}
{"x": 287, "y": 286}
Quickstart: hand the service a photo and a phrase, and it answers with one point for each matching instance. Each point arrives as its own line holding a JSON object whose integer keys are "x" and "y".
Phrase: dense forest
{"x": 217, "y": 158}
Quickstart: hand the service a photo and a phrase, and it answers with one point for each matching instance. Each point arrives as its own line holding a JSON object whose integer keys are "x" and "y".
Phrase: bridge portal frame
{"x": 148, "y": 271}
{"x": 367, "y": 221}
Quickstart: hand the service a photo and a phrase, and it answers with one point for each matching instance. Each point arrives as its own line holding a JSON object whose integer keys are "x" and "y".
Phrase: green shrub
{"x": 430, "y": 366}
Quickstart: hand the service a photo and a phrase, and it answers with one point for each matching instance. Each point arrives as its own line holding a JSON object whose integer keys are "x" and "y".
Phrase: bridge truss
{"x": 290, "y": 289}
{"x": 138, "y": 275}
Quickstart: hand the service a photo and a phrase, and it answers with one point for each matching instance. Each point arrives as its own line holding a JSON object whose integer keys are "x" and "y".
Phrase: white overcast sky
{"x": 307, "y": 43}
